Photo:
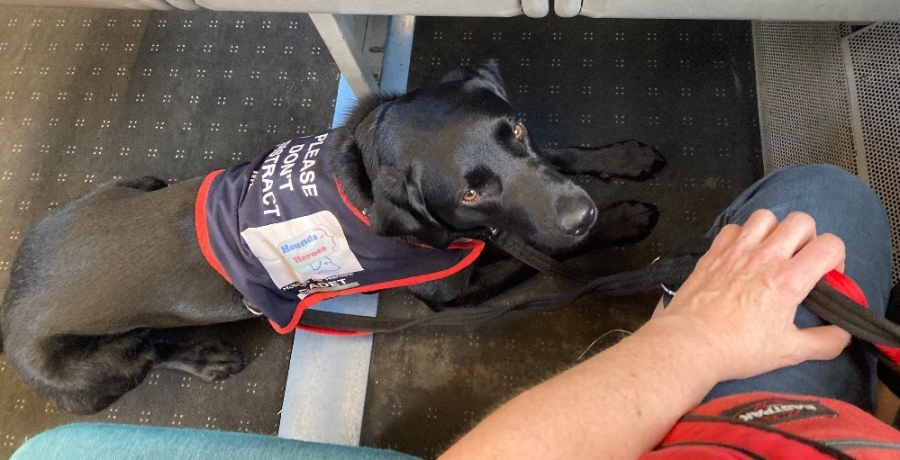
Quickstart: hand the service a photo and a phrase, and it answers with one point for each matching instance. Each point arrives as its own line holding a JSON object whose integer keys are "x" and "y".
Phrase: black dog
{"x": 97, "y": 283}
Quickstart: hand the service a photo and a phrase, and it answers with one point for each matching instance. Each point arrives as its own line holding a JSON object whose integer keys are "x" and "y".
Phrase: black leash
{"x": 536, "y": 259}
{"x": 880, "y": 336}
{"x": 670, "y": 270}
{"x": 667, "y": 272}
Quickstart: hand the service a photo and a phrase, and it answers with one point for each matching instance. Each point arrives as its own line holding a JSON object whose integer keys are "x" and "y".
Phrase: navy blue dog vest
{"x": 280, "y": 229}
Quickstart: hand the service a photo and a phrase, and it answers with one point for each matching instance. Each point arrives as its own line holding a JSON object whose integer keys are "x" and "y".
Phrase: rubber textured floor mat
{"x": 686, "y": 88}
{"x": 87, "y": 96}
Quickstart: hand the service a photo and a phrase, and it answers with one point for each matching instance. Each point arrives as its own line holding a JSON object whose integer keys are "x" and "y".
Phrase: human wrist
{"x": 689, "y": 344}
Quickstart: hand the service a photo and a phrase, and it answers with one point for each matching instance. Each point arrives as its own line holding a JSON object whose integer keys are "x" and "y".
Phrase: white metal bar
{"x": 326, "y": 385}
{"x": 775, "y": 10}
{"x": 374, "y": 7}
{"x": 566, "y": 8}
{"x": 397, "y": 52}
{"x": 535, "y": 8}
{"x": 345, "y": 46}
{"x": 121, "y": 4}
{"x": 859, "y": 142}
{"x": 184, "y": 4}
{"x": 327, "y": 378}
{"x": 375, "y": 31}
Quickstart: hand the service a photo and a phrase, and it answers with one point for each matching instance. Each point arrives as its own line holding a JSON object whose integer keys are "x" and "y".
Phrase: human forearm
{"x": 617, "y": 404}
{"x": 733, "y": 318}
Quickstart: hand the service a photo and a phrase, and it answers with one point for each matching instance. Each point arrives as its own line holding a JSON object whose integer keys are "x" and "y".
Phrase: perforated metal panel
{"x": 803, "y": 96}
{"x": 872, "y": 58}
{"x": 827, "y": 95}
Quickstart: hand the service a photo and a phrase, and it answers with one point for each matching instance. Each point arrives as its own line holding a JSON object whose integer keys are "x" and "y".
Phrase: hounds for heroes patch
{"x": 312, "y": 249}
{"x": 301, "y": 251}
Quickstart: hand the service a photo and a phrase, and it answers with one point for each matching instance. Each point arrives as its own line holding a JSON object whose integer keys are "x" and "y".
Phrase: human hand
{"x": 743, "y": 295}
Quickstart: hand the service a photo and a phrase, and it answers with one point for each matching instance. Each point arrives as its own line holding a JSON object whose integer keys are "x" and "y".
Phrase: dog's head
{"x": 453, "y": 160}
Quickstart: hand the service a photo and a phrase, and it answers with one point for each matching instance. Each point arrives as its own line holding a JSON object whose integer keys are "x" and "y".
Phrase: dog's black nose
{"x": 576, "y": 215}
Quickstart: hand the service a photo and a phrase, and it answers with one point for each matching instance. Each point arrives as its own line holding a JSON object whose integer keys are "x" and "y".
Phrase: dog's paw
{"x": 211, "y": 360}
{"x": 645, "y": 161}
{"x": 644, "y": 217}
{"x": 625, "y": 222}
{"x": 146, "y": 183}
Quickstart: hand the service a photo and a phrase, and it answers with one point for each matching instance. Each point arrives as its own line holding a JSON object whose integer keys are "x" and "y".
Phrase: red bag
{"x": 778, "y": 426}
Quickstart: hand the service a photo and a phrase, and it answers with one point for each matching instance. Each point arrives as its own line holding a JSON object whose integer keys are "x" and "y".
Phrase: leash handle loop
{"x": 838, "y": 300}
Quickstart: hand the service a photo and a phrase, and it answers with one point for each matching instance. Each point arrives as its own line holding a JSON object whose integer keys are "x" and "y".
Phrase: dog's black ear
{"x": 398, "y": 209}
{"x": 482, "y": 76}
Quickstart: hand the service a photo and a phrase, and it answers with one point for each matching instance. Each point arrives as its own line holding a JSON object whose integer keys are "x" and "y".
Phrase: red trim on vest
{"x": 353, "y": 209}
{"x": 201, "y": 226}
{"x": 359, "y": 214}
{"x": 475, "y": 247}
{"x": 336, "y": 332}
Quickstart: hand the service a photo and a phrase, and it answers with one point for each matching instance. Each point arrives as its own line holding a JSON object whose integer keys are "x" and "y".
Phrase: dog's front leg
{"x": 628, "y": 160}
{"x": 473, "y": 285}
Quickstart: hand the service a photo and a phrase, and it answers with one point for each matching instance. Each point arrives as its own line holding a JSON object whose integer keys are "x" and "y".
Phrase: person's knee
{"x": 819, "y": 175}
{"x": 839, "y": 201}
{"x": 827, "y": 184}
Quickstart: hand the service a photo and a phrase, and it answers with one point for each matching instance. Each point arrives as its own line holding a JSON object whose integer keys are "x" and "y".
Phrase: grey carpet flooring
{"x": 87, "y": 96}
{"x": 685, "y": 87}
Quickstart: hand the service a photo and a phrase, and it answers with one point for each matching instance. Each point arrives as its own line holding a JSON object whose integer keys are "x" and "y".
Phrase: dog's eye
{"x": 520, "y": 131}
{"x": 471, "y": 196}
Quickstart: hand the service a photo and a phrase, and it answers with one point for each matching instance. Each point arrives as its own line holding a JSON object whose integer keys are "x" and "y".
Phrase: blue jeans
{"x": 843, "y": 205}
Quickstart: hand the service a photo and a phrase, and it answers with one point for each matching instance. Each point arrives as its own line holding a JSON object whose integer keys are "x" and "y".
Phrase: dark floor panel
{"x": 684, "y": 87}
{"x": 90, "y": 95}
